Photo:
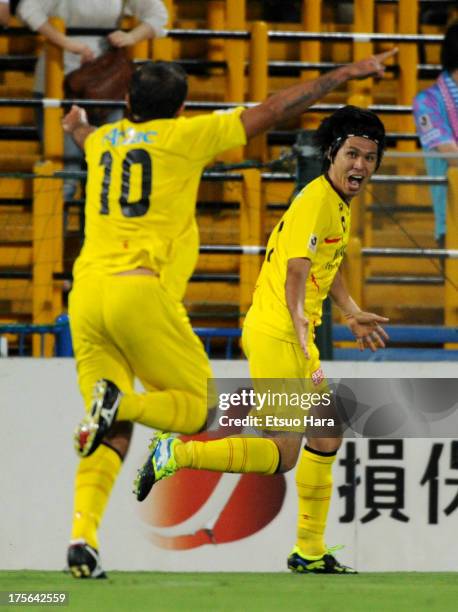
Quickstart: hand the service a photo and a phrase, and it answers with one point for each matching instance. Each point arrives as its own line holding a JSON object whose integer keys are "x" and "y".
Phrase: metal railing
{"x": 412, "y": 335}
{"x": 273, "y": 35}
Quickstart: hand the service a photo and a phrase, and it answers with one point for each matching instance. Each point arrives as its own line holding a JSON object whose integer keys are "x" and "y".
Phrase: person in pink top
{"x": 436, "y": 117}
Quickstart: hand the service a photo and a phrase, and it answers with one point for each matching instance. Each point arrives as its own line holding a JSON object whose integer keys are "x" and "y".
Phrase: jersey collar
{"x": 326, "y": 176}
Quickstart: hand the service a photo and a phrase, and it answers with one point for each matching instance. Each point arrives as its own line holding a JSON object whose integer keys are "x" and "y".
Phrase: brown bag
{"x": 105, "y": 78}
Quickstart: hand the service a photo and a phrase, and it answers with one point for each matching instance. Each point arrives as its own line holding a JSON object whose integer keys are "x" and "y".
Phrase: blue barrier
{"x": 64, "y": 347}
{"x": 403, "y": 334}
{"x": 395, "y": 354}
{"x": 400, "y": 334}
{"x": 21, "y": 330}
{"x": 207, "y": 333}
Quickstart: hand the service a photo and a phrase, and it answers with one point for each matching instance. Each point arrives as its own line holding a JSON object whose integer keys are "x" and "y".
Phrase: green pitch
{"x": 199, "y": 592}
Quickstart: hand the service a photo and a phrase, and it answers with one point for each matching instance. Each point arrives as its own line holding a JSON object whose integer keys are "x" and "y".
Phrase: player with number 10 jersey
{"x": 145, "y": 178}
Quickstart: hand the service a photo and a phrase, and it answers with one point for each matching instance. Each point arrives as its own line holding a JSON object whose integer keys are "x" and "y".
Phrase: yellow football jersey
{"x": 316, "y": 226}
{"x": 142, "y": 187}
{"x": 177, "y": 272}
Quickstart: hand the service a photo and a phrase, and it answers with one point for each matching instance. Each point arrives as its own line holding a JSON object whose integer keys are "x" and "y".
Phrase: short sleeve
{"x": 34, "y": 14}
{"x": 88, "y": 143}
{"x": 152, "y": 12}
{"x": 207, "y": 135}
{"x": 308, "y": 226}
{"x": 431, "y": 119}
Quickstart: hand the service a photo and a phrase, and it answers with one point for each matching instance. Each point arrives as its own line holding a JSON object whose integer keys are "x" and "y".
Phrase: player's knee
{"x": 288, "y": 449}
{"x": 202, "y": 417}
{"x": 196, "y": 420}
{"x": 325, "y": 445}
{"x": 285, "y": 466}
{"x": 119, "y": 437}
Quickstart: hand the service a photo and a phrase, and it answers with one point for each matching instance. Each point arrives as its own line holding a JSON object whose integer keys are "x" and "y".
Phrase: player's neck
{"x": 454, "y": 75}
{"x": 346, "y": 199}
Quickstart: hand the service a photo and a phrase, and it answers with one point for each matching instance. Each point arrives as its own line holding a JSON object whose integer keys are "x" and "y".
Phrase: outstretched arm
{"x": 76, "y": 124}
{"x": 293, "y": 101}
{"x": 365, "y": 326}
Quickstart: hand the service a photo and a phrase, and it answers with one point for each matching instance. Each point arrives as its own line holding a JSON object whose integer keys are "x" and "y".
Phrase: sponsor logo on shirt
{"x": 131, "y": 136}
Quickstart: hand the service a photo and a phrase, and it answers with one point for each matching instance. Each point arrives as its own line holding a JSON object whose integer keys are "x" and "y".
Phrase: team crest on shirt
{"x": 425, "y": 123}
{"x": 313, "y": 242}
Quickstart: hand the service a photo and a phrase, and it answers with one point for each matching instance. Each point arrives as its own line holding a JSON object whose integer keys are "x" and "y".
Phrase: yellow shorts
{"x": 292, "y": 385}
{"x": 129, "y": 326}
{"x": 269, "y": 357}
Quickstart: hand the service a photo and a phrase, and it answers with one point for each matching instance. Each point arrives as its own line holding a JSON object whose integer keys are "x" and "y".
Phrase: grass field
{"x": 169, "y": 592}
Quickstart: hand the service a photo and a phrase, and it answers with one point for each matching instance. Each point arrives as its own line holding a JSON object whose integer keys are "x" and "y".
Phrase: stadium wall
{"x": 205, "y": 522}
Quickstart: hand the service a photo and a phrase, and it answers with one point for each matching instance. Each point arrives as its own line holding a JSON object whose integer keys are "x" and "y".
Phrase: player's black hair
{"x": 157, "y": 90}
{"x": 449, "y": 50}
{"x": 345, "y": 122}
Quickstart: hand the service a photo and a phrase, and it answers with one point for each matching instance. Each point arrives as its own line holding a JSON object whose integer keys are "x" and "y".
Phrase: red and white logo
{"x": 194, "y": 508}
{"x": 317, "y": 376}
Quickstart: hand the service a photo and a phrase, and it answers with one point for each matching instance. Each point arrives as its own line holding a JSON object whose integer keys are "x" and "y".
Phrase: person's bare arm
{"x": 65, "y": 42}
{"x": 450, "y": 147}
{"x": 365, "y": 326}
{"x": 4, "y": 14}
{"x": 76, "y": 124}
{"x": 341, "y": 297}
{"x": 296, "y": 276}
{"x": 293, "y": 101}
{"x": 125, "y": 39}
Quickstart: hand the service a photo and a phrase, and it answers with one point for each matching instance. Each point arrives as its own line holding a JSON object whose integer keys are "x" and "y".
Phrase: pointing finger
{"x": 386, "y": 54}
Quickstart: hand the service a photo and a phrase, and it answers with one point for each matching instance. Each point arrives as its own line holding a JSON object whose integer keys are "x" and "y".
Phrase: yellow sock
{"x": 238, "y": 455}
{"x": 314, "y": 489}
{"x": 94, "y": 481}
{"x": 165, "y": 410}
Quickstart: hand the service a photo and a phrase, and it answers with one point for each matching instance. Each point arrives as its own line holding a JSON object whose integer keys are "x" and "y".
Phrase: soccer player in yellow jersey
{"x": 301, "y": 267}
{"x": 125, "y": 313}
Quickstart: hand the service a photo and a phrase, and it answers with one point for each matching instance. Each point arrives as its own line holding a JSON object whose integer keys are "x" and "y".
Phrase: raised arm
{"x": 293, "y": 101}
{"x": 365, "y": 326}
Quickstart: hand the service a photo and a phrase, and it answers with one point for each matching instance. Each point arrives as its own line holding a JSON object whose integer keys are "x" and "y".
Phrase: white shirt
{"x": 88, "y": 14}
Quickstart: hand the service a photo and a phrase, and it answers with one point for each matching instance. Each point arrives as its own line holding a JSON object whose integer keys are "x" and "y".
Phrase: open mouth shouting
{"x": 355, "y": 181}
